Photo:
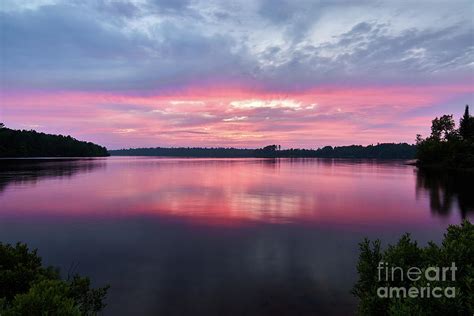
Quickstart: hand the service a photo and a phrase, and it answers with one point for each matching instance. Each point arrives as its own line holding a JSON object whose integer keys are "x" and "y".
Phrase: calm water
{"x": 222, "y": 236}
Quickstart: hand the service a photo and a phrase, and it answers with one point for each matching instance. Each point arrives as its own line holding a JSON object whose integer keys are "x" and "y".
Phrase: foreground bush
{"x": 457, "y": 247}
{"x": 28, "y": 288}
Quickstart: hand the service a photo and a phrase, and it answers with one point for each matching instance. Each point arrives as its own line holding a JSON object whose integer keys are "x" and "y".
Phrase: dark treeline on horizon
{"x": 23, "y": 143}
{"x": 29, "y": 143}
{"x": 379, "y": 151}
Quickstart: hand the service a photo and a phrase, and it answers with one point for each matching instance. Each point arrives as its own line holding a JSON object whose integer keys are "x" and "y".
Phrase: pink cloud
{"x": 232, "y": 116}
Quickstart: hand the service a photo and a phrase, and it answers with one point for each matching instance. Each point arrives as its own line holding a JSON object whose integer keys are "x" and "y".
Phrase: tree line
{"x": 29, "y": 143}
{"x": 379, "y": 151}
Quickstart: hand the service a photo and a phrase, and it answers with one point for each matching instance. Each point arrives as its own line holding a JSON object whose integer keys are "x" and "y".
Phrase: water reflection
{"x": 218, "y": 236}
{"x": 30, "y": 171}
{"x": 447, "y": 190}
{"x": 231, "y": 192}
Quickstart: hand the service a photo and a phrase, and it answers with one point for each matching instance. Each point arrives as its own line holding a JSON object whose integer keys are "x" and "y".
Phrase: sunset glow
{"x": 173, "y": 74}
{"x": 231, "y": 117}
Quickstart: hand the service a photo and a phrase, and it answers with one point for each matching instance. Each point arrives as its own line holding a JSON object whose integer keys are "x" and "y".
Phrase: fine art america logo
{"x": 387, "y": 273}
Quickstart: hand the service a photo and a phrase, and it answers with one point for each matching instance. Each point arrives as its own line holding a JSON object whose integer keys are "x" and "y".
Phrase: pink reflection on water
{"x": 230, "y": 192}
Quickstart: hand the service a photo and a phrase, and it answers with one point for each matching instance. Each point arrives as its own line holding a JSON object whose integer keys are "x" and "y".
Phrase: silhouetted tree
{"x": 267, "y": 151}
{"x": 270, "y": 148}
{"x": 466, "y": 126}
{"x": 442, "y": 128}
{"x": 447, "y": 146}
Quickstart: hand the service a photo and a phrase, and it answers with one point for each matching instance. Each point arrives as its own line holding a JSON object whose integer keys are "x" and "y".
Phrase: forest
{"x": 379, "y": 151}
{"x": 29, "y": 143}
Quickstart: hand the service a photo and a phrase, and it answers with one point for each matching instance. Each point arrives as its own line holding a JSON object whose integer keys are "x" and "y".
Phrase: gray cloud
{"x": 164, "y": 44}
{"x": 368, "y": 52}
{"x": 60, "y": 47}
{"x": 172, "y": 5}
{"x": 116, "y": 8}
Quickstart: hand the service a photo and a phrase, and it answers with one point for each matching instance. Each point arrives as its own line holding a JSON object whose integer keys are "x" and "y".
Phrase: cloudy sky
{"x": 234, "y": 73}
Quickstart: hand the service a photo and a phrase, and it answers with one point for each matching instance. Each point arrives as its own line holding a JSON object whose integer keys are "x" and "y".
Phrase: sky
{"x": 241, "y": 73}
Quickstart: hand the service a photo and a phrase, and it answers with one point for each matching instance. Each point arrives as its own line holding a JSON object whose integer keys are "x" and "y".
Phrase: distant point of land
{"x": 24, "y": 143}
{"x": 379, "y": 151}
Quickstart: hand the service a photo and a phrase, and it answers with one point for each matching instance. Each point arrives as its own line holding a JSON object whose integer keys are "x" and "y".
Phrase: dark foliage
{"x": 267, "y": 152}
{"x": 184, "y": 152}
{"x": 379, "y": 151}
{"x": 28, "y": 288}
{"x": 23, "y": 143}
{"x": 447, "y": 146}
{"x": 466, "y": 125}
{"x": 457, "y": 247}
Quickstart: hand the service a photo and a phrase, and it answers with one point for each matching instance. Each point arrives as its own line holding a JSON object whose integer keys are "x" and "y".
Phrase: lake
{"x": 222, "y": 236}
